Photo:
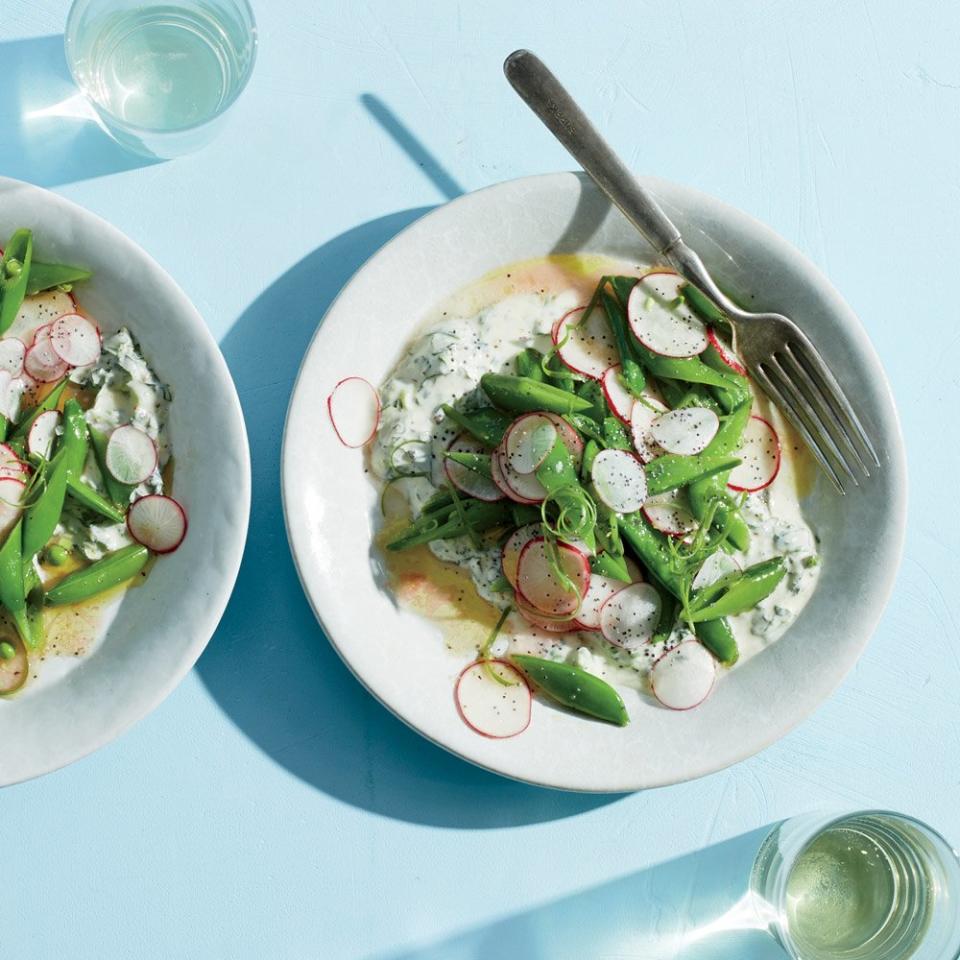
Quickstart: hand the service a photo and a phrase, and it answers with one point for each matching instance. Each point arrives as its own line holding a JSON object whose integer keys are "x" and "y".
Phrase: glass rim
{"x": 137, "y": 128}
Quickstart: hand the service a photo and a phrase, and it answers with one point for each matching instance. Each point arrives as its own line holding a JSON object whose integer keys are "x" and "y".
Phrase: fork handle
{"x": 549, "y": 100}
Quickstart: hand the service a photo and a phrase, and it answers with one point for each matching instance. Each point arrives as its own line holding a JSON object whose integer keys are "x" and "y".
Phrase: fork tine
{"x": 796, "y": 370}
{"x": 761, "y": 375}
{"x": 808, "y": 357}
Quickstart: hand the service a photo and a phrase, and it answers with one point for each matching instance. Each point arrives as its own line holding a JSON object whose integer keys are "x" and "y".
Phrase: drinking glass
{"x": 161, "y": 75}
{"x": 871, "y": 885}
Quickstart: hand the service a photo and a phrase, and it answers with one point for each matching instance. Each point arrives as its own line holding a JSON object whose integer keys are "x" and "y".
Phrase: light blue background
{"x": 270, "y": 808}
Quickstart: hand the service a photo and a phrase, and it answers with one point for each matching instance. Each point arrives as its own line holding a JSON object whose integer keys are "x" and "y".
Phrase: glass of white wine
{"x": 872, "y": 885}
{"x": 161, "y": 75}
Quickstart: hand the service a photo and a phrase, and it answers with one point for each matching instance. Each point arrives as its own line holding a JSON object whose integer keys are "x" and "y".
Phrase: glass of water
{"x": 872, "y": 885}
{"x": 161, "y": 75}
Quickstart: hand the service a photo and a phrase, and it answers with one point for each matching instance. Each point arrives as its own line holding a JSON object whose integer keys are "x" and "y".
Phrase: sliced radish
{"x": 469, "y": 481}
{"x": 670, "y": 515}
{"x": 131, "y": 456}
{"x": 538, "y": 581}
{"x": 539, "y": 619}
{"x": 528, "y": 441}
{"x": 493, "y": 708}
{"x": 600, "y": 590}
{"x": 717, "y": 566}
{"x": 12, "y": 352}
{"x": 644, "y": 412}
{"x": 510, "y": 554}
{"x": 619, "y": 479}
{"x": 522, "y": 487}
{"x": 759, "y": 455}
{"x": 10, "y": 464}
{"x": 725, "y": 353}
{"x": 42, "y": 432}
{"x": 42, "y": 362}
{"x": 586, "y": 345}
{"x": 40, "y": 310}
{"x": 629, "y": 618}
{"x": 354, "y": 410}
{"x": 571, "y": 439}
{"x": 500, "y": 479}
{"x": 661, "y": 320}
{"x": 158, "y": 522}
{"x": 684, "y": 676}
{"x": 686, "y": 431}
{"x": 75, "y": 340}
{"x": 11, "y": 500}
{"x": 10, "y": 392}
{"x": 619, "y": 399}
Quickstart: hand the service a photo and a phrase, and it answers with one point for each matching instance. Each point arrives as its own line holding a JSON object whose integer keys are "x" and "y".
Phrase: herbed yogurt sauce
{"x": 481, "y": 330}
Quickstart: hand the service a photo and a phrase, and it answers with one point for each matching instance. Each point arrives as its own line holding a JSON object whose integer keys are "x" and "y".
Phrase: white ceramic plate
{"x": 162, "y": 626}
{"x": 329, "y": 502}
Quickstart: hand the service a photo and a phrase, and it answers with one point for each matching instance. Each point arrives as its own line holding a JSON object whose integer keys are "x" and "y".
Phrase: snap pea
{"x": 477, "y": 462}
{"x": 574, "y": 688}
{"x": 615, "y": 435}
{"x": 486, "y": 424}
{"x": 46, "y": 276}
{"x": 673, "y": 470}
{"x": 14, "y": 274}
{"x": 50, "y": 402}
{"x": 742, "y": 592}
{"x": 33, "y": 591}
{"x": 87, "y": 497}
{"x": 523, "y": 513}
{"x": 522, "y": 395}
{"x": 610, "y": 565}
{"x": 717, "y": 636}
{"x": 590, "y": 450}
{"x": 702, "y": 304}
{"x": 586, "y": 425}
{"x": 104, "y": 574}
{"x": 631, "y": 373}
{"x": 480, "y": 516}
{"x": 528, "y": 364}
{"x": 118, "y": 492}
{"x": 4, "y": 427}
{"x": 557, "y": 469}
{"x": 12, "y": 593}
{"x": 592, "y": 391}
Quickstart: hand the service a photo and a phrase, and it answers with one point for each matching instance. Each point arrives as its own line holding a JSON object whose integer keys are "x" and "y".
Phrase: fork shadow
{"x": 50, "y": 134}
{"x": 269, "y": 666}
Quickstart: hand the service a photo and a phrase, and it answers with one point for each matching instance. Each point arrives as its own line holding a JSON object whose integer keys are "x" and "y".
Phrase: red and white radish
{"x": 12, "y": 352}
{"x": 586, "y": 345}
{"x": 521, "y": 487}
{"x": 539, "y": 619}
{"x": 10, "y": 464}
{"x": 670, "y": 515}
{"x": 131, "y": 456}
{"x": 759, "y": 455}
{"x": 38, "y": 311}
{"x": 618, "y": 398}
{"x": 619, "y": 479}
{"x": 571, "y": 439}
{"x": 600, "y": 590}
{"x": 41, "y": 433}
{"x": 528, "y": 441}
{"x": 11, "y": 500}
{"x": 354, "y": 410}
{"x": 642, "y": 415}
{"x": 493, "y": 708}
{"x": 629, "y": 618}
{"x": 42, "y": 363}
{"x": 158, "y": 522}
{"x": 539, "y": 582}
{"x": 686, "y": 431}
{"x": 75, "y": 340}
{"x": 717, "y": 566}
{"x": 463, "y": 478}
{"x": 510, "y": 554}
{"x": 10, "y": 393}
{"x": 684, "y": 676}
{"x": 725, "y": 353}
{"x": 660, "y": 318}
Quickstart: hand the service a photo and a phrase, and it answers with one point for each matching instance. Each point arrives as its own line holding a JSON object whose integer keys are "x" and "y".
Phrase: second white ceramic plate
{"x": 329, "y": 502}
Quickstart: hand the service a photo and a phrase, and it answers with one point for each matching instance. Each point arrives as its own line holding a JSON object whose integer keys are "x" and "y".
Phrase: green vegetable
{"x": 631, "y": 373}
{"x": 703, "y": 304}
{"x": 574, "y": 688}
{"x": 557, "y": 469}
{"x": 523, "y": 395}
{"x": 615, "y": 435}
{"x": 609, "y": 565}
{"x": 86, "y": 496}
{"x": 104, "y": 574}
{"x": 738, "y": 592}
{"x": 673, "y": 470}
{"x": 56, "y": 555}
{"x": 480, "y": 516}
{"x": 590, "y": 451}
{"x": 14, "y": 666}
{"x": 528, "y": 364}
{"x": 12, "y": 593}
{"x": 7, "y": 650}
{"x": 717, "y": 636}
{"x": 14, "y": 275}
{"x": 49, "y": 402}
{"x": 46, "y": 276}
{"x": 486, "y": 424}
{"x": 477, "y": 462}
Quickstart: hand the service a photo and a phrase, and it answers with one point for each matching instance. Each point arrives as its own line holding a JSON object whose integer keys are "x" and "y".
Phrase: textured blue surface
{"x": 270, "y": 808}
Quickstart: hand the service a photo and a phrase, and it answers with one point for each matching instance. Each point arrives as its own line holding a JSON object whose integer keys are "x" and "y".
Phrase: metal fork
{"x": 777, "y": 353}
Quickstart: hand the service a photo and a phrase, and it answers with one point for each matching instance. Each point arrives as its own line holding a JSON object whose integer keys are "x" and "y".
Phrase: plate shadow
{"x": 269, "y": 665}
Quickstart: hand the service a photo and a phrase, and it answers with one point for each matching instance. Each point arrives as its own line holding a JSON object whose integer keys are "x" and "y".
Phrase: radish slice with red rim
{"x": 528, "y": 441}
{"x": 661, "y": 320}
{"x": 11, "y": 500}
{"x": 38, "y": 311}
{"x": 717, "y": 566}
{"x": 571, "y": 439}
{"x": 586, "y": 346}
{"x": 131, "y": 456}
{"x": 619, "y": 479}
{"x": 725, "y": 353}
{"x": 500, "y": 479}
{"x": 538, "y": 580}
{"x": 618, "y": 398}
{"x": 510, "y": 553}
{"x": 41, "y": 434}
{"x": 158, "y": 522}
{"x": 600, "y": 590}
{"x": 522, "y": 487}
{"x": 536, "y": 618}
{"x": 759, "y": 455}
{"x": 10, "y": 464}
{"x": 75, "y": 340}
{"x": 670, "y": 515}
{"x": 12, "y": 352}
{"x": 354, "y": 410}
{"x": 495, "y": 708}
{"x": 684, "y": 676}
{"x": 630, "y": 616}
{"x": 686, "y": 431}
{"x": 642, "y": 415}
{"x": 42, "y": 362}
{"x": 463, "y": 478}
